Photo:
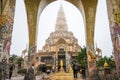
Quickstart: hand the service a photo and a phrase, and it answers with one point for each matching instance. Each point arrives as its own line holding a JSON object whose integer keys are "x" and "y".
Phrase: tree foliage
{"x": 82, "y": 57}
{"x": 82, "y": 60}
{"x": 110, "y": 61}
{"x": 16, "y": 60}
{"x": 19, "y": 61}
{"x": 13, "y": 58}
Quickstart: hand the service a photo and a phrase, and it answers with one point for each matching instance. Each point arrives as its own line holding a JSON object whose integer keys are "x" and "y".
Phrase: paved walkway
{"x": 52, "y": 76}
{"x": 22, "y": 77}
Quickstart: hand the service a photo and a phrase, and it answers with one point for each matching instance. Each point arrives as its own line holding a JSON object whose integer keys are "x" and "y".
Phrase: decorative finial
{"x": 106, "y": 64}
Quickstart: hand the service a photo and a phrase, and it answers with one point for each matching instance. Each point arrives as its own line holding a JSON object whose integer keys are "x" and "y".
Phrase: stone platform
{"x": 62, "y": 76}
{"x": 52, "y": 76}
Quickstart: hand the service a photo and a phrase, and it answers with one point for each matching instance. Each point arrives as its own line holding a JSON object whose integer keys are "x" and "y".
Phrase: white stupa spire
{"x": 61, "y": 21}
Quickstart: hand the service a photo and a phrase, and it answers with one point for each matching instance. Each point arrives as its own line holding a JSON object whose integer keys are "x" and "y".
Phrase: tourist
{"x": 11, "y": 70}
{"x": 26, "y": 75}
{"x": 4, "y": 68}
{"x": 75, "y": 68}
{"x": 58, "y": 68}
{"x": 0, "y": 71}
{"x": 83, "y": 72}
{"x": 43, "y": 70}
{"x": 30, "y": 73}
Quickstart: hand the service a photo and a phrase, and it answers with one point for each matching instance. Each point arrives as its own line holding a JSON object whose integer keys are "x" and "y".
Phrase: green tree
{"x": 82, "y": 57}
{"x": 110, "y": 61}
{"x": 19, "y": 61}
{"x": 13, "y": 58}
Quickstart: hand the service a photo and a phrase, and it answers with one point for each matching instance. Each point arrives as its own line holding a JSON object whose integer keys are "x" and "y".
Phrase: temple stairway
{"x": 62, "y": 76}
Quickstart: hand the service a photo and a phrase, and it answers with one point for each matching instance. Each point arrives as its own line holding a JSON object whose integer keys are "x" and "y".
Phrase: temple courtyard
{"x": 52, "y": 76}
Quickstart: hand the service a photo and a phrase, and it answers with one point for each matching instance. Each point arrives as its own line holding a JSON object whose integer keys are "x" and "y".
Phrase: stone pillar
{"x": 113, "y": 7}
{"x": 89, "y": 17}
{"x": 6, "y": 26}
{"x": 33, "y": 10}
{"x": 31, "y": 54}
{"x": 0, "y": 7}
{"x": 67, "y": 61}
{"x": 56, "y": 58}
{"x": 91, "y": 62}
{"x": 53, "y": 63}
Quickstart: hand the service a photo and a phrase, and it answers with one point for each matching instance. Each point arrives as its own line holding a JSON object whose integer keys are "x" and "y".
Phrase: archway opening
{"x": 20, "y": 30}
{"x": 61, "y": 19}
{"x": 48, "y": 18}
{"x": 102, "y": 37}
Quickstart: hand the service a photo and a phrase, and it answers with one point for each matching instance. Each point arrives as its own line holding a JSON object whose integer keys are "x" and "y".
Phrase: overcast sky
{"x": 47, "y": 25}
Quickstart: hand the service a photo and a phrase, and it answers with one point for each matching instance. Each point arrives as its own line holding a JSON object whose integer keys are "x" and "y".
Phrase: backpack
{"x": 76, "y": 67}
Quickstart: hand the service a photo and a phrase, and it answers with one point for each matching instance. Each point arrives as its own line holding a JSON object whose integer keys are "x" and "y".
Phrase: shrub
{"x": 21, "y": 71}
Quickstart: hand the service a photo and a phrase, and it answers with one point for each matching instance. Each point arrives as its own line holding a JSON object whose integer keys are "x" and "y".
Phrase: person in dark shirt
{"x": 83, "y": 73}
{"x": 30, "y": 73}
{"x": 11, "y": 70}
{"x": 0, "y": 71}
{"x": 43, "y": 68}
{"x": 26, "y": 75}
{"x": 75, "y": 68}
